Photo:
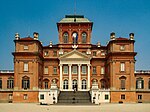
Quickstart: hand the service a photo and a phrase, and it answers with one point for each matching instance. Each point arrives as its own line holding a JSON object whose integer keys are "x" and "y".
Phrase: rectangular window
{"x": 10, "y": 84}
{"x": 106, "y": 96}
{"x": 54, "y": 70}
{"x": 102, "y": 70}
{"x": 139, "y": 84}
{"x": 45, "y": 53}
{"x": 122, "y": 47}
{"x": 74, "y": 71}
{"x": 123, "y": 97}
{"x": 122, "y": 84}
{"x": 26, "y": 47}
{"x": 42, "y": 96}
{"x": 10, "y": 97}
{"x": 139, "y": 97}
{"x": 122, "y": 67}
{"x": 46, "y": 70}
{"x": 25, "y": 96}
{"x": 0, "y": 83}
{"x": 54, "y": 53}
{"x": 25, "y": 84}
{"x": 94, "y": 70}
{"x": 94, "y": 53}
{"x": 46, "y": 85}
{"x": 25, "y": 67}
{"x": 65, "y": 71}
{"x": 83, "y": 69}
{"x": 102, "y": 53}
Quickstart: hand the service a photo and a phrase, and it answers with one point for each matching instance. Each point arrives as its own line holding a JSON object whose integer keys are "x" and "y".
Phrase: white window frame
{"x": 26, "y": 47}
{"x": 54, "y": 70}
{"x": 65, "y": 84}
{"x": 122, "y": 66}
{"x": 74, "y": 70}
{"x": 26, "y": 67}
{"x": 65, "y": 69}
{"x": 84, "y": 69}
{"x": 84, "y": 84}
{"x": 102, "y": 70}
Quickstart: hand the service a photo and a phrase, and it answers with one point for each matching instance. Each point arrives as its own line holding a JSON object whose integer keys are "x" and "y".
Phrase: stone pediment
{"x": 74, "y": 55}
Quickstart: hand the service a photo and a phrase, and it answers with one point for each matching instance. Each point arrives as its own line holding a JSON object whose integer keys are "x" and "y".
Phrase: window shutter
{"x": 28, "y": 84}
{"x": 22, "y": 84}
{"x": 136, "y": 84}
{"x": 142, "y": 84}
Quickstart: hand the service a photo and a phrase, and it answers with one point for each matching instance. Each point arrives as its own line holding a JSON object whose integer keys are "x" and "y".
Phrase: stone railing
{"x": 6, "y": 71}
{"x": 142, "y": 71}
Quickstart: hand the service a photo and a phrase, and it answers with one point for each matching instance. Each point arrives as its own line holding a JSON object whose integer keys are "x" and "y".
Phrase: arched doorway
{"x": 74, "y": 85}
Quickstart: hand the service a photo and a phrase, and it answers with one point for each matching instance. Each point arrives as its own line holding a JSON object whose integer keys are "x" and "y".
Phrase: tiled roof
{"x": 74, "y": 19}
{"x": 121, "y": 38}
{"x": 26, "y": 38}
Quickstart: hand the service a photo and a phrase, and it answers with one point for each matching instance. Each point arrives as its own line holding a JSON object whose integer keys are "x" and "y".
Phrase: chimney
{"x": 112, "y": 36}
{"x": 131, "y": 35}
{"x": 35, "y": 35}
{"x": 17, "y": 36}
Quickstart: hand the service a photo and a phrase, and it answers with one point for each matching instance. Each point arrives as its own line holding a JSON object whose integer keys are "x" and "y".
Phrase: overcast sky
{"x": 120, "y": 16}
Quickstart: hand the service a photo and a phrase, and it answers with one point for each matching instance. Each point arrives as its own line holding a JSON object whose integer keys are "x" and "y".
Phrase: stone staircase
{"x": 71, "y": 97}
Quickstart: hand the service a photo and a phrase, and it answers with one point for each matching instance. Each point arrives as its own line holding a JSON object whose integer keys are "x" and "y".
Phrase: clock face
{"x": 74, "y": 35}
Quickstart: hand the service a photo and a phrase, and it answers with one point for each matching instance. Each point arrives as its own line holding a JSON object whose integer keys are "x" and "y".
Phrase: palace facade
{"x": 75, "y": 64}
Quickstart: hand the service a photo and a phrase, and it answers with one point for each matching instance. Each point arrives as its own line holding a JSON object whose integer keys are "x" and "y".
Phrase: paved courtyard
{"x": 33, "y": 107}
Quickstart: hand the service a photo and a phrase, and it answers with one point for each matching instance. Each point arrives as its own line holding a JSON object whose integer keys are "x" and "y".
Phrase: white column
{"x": 79, "y": 76}
{"x": 61, "y": 80}
{"x": 70, "y": 78}
{"x": 88, "y": 86}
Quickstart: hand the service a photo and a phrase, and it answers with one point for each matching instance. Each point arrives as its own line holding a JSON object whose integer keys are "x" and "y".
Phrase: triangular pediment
{"x": 74, "y": 55}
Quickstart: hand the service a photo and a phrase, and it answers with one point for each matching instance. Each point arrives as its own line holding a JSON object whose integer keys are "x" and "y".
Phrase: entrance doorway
{"x": 74, "y": 85}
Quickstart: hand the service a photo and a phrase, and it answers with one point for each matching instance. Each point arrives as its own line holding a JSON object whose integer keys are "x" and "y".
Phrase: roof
{"x": 121, "y": 38}
{"x": 74, "y": 19}
{"x": 26, "y": 38}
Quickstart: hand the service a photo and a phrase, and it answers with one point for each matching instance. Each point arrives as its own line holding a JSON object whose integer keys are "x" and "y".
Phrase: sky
{"x": 119, "y": 16}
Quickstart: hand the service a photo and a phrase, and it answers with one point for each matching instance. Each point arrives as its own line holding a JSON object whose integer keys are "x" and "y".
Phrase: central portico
{"x": 74, "y": 71}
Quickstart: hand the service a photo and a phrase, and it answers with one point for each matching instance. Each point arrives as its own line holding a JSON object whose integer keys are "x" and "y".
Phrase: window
{"x": 106, "y": 96}
{"x": 41, "y": 96}
{"x": 74, "y": 84}
{"x": 94, "y": 53}
{"x": 103, "y": 84}
{"x": 94, "y": 69}
{"x": 83, "y": 69}
{"x": 102, "y": 53}
{"x": 74, "y": 71}
{"x": 102, "y": 70}
{"x": 46, "y": 53}
{"x": 122, "y": 66}
{"x": 84, "y": 36}
{"x": 10, "y": 97}
{"x": 0, "y": 83}
{"x": 25, "y": 83}
{"x": 83, "y": 84}
{"x": 46, "y": 70}
{"x": 26, "y": 47}
{"x": 139, "y": 83}
{"x": 54, "y": 70}
{"x": 65, "y": 37}
{"x": 123, "y": 97}
{"x": 54, "y": 53}
{"x": 65, "y": 85}
{"x": 139, "y": 97}
{"x": 25, "y": 66}
{"x": 122, "y": 47}
{"x": 46, "y": 85}
{"x": 25, "y": 96}
{"x": 10, "y": 83}
{"x": 65, "y": 69}
{"x": 122, "y": 81}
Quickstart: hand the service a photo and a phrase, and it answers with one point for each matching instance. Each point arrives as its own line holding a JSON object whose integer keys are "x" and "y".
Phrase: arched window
{"x": 25, "y": 82}
{"x": 46, "y": 81}
{"x": 10, "y": 83}
{"x": 83, "y": 84}
{"x": 103, "y": 84}
{"x": 65, "y": 37}
{"x": 122, "y": 82}
{"x": 139, "y": 83}
{"x": 84, "y": 37}
{"x": 65, "y": 85}
{"x": 74, "y": 84}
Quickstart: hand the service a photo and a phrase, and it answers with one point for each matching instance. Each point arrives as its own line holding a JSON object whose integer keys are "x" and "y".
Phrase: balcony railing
{"x": 6, "y": 71}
